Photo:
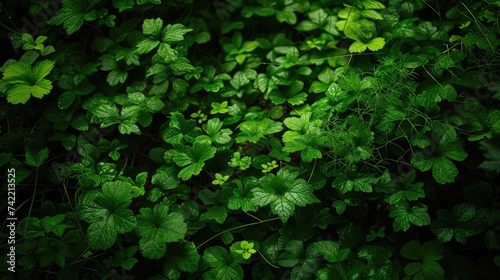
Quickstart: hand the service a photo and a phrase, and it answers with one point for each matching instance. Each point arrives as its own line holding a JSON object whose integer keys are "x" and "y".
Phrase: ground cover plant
{"x": 232, "y": 139}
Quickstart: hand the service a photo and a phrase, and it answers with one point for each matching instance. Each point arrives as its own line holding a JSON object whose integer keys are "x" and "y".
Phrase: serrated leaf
{"x": 406, "y": 215}
{"x": 108, "y": 215}
{"x": 376, "y": 44}
{"x": 174, "y": 32}
{"x": 222, "y": 263}
{"x": 457, "y": 223}
{"x": 157, "y": 227}
{"x": 165, "y": 178}
{"x": 193, "y": 158}
{"x": 254, "y": 130}
{"x": 218, "y": 213}
{"x": 183, "y": 256}
{"x": 331, "y": 251}
{"x": 71, "y": 15}
{"x": 152, "y": 27}
{"x": 283, "y": 192}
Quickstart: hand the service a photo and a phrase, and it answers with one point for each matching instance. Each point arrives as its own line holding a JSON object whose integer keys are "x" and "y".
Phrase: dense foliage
{"x": 259, "y": 139}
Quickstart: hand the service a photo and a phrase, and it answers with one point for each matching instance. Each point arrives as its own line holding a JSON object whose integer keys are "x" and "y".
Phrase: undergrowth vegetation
{"x": 231, "y": 139}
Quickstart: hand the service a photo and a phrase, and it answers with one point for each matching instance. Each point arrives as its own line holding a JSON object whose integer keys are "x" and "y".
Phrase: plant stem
{"x": 230, "y": 229}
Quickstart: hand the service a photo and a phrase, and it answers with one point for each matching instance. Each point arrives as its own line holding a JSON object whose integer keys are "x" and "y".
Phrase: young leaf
{"x": 108, "y": 215}
{"x": 157, "y": 227}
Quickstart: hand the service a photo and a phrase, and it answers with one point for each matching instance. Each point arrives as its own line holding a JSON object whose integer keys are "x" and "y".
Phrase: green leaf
{"x": 174, "y": 33}
{"x": 242, "y": 198}
{"x": 459, "y": 223}
{"x": 254, "y": 130}
{"x": 283, "y": 192}
{"x": 304, "y": 265}
{"x": 491, "y": 151}
{"x": 217, "y": 213}
{"x": 405, "y": 216}
{"x": 214, "y": 129}
{"x": 223, "y": 265}
{"x": 54, "y": 224}
{"x": 357, "y": 47}
{"x": 152, "y": 27}
{"x": 292, "y": 95}
{"x": 426, "y": 257}
{"x": 180, "y": 129}
{"x": 443, "y": 170}
{"x": 108, "y": 215}
{"x": 36, "y": 160}
{"x": 403, "y": 188}
{"x": 376, "y": 44}
{"x": 52, "y": 250}
{"x": 193, "y": 158}
{"x": 331, "y": 251}
{"x": 360, "y": 182}
{"x": 147, "y": 45}
{"x": 305, "y": 135}
{"x": 24, "y": 81}
{"x": 72, "y": 15}
{"x": 183, "y": 256}
{"x": 158, "y": 227}
{"x": 165, "y": 178}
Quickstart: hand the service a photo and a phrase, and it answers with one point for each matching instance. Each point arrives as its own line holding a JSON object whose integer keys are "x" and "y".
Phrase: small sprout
{"x": 202, "y": 117}
{"x": 220, "y": 108}
{"x": 219, "y": 179}
{"x": 246, "y": 249}
{"x": 269, "y": 166}
{"x": 237, "y": 161}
